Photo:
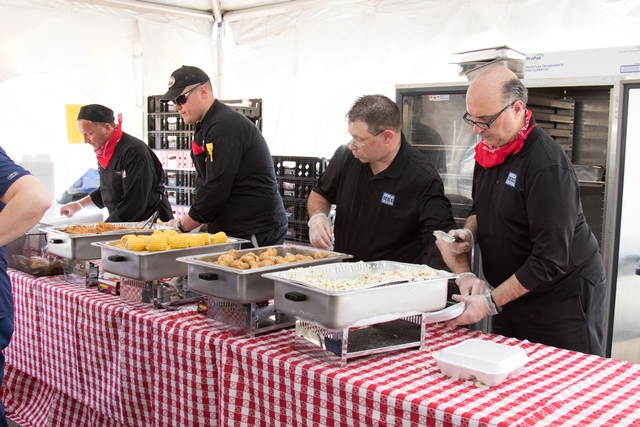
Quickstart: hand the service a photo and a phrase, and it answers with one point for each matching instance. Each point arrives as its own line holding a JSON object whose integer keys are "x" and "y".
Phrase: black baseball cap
{"x": 96, "y": 113}
{"x": 181, "y": 78}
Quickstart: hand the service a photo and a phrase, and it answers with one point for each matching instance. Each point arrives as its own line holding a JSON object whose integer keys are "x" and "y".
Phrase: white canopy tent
{"x": 307, "y": 59}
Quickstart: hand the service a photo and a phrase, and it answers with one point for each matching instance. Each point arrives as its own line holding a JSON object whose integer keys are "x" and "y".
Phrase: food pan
{"x": 79, "y": 246}
{"x": 367, "y": 304}
{"x": 247, "y": 286}
{"x": 147, "y": 266}
{"x": 489, "y": 54}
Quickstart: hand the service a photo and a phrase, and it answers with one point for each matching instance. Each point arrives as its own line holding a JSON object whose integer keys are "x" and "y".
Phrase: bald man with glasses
{"x": 544, "y": 276}
{"x": 389, "y": 197}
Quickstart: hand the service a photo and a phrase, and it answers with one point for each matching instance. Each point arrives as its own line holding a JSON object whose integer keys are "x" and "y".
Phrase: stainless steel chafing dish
{"x": 387, "y": 299}
{"x": 79, "y": 246}
{"x": 148, "y": 266}
{"x": 371, "y": 308}
{"x": 247, "y": 286}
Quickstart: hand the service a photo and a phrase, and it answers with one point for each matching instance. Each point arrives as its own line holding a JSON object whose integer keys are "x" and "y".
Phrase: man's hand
{"x": 464, "y": 241}
{"x": 320, "y": 235}
{"x": 469, "y": 284}
{"x": 70, "y": 209}
{"x": 477, "y": 308}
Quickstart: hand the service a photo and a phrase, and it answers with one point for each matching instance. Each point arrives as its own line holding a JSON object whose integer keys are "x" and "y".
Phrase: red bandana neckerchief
{"x": 489, "y": 156}
{"x": 105, "y": 153}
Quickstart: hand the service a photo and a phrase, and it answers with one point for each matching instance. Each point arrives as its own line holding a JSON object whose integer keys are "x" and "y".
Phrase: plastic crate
{"x": 302, "y": 233}
{"x": 299, "y": 167}
{"x": 300, "y": 210}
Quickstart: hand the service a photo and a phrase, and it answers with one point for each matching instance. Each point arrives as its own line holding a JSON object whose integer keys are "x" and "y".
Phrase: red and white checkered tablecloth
{"x": 264, "y": 381}
{"x": 135, "y": 365}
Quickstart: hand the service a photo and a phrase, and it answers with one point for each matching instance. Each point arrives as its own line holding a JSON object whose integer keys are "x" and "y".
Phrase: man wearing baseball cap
{"x": 131, "y": 176}
{"x": 236, "y": 187}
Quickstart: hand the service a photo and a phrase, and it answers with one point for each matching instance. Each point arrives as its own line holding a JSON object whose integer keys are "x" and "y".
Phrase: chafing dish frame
{"x": 338, "y": 326}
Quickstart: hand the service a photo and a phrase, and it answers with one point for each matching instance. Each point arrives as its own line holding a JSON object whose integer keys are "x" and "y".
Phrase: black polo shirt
{"x": 236, "y": 187}
{"x": 530, "y": 221}
{"x": 389, "y": 216}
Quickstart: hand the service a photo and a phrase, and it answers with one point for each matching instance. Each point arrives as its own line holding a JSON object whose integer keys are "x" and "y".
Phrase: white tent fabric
{"x": 308, "y": 64}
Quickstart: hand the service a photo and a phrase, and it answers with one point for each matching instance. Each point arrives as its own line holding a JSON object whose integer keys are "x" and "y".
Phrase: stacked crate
{"x": 296, "y": 178}
{"x": 557, "y": 117}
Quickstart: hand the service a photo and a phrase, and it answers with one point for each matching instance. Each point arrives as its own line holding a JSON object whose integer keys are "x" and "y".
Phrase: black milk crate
{"x": 299, "y": 167}
{"x": 302, "y": 232}
{"x": 296, "y": 188}
{"x": 300, "y": 210}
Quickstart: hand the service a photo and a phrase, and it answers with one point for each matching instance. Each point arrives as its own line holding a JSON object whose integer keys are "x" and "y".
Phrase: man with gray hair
{"x": 537, "y": 249}
{"x": 389, "y": 197}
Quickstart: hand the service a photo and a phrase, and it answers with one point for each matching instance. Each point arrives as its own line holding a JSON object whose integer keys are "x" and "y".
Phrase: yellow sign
{"x": 72, "y": 128}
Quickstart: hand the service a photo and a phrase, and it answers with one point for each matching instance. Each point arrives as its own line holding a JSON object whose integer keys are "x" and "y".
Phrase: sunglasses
{"x": 181, "y": 99}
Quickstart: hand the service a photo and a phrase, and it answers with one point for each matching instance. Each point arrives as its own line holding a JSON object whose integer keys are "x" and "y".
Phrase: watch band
{"x": 492, "y": 304}
{"x": 181, "y": 228}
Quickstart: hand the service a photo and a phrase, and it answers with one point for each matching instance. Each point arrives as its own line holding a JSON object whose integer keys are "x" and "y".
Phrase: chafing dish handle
{"x": 295, "y": 296}
{"x": 116, "y": 258}
{"x": 56, "y": 241}
{"x": 208, "y": 276}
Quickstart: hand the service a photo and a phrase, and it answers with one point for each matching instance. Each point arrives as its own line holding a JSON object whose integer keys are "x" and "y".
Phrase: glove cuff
{"x": 321, "y": 214}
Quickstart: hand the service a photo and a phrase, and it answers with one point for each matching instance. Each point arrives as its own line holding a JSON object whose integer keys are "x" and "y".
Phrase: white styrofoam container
{"x": 490, "y": 363}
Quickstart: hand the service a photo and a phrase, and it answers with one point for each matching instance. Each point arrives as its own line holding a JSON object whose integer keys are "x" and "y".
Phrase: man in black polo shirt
{"x": 389, "y": 197}
{"x": 537, "y": 249}
{"x": 236, "y": 187}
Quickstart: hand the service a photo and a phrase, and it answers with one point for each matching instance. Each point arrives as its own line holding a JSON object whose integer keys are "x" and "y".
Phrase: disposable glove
{"x": 70, "y": 209}
{"x": 320, "y": 234}
{"x": 469, "y": 284}
{"x": 477, "y": 308}
{"x": 465, "y": 245}
{"x": 172, "y": 223}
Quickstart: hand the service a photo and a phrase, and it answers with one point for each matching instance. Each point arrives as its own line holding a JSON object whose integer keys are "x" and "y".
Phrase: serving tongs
{"x": 151, "y": 221}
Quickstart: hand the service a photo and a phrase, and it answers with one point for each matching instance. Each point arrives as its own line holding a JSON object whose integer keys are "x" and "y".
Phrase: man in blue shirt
{"x": 23, "y": 202}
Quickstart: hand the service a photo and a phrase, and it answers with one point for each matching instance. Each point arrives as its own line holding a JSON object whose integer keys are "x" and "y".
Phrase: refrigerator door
{"x": 432, "y": 122}
{"x": 625, "y": 329}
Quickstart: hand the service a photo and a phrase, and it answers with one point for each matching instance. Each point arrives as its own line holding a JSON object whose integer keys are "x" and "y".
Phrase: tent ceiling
{"x": 217, "y": 10}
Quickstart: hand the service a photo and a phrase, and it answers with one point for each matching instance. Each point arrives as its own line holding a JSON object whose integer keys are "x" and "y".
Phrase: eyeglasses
{"x": 181, "y": 99}
{"x": 359, "y": 146}
{"x": 468, "y": 118}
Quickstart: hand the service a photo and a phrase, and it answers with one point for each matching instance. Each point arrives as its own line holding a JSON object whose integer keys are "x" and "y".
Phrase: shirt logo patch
{"x": 388, "y": 199}
{"x": 511, "y": 179}
{"x": 12, "y": 175}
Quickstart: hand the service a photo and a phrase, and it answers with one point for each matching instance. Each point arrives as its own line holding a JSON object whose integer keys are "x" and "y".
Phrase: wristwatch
{"x": 492, "y": 304}
{"x": 181, "y": 228}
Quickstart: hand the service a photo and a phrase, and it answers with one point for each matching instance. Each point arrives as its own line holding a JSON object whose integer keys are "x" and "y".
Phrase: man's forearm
{"x": 317, "y": 204}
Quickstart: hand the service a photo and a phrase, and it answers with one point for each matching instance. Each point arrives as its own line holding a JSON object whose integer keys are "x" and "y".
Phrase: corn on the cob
{"x": 196, "y": 240}
{"x": 156, "y": 232}
{"x": 218, "y": 238}
{"x": 178, "y": 241}
{"x": 169, "y": 232}
{"x": 126, "y": 237}
{"x": 157, "y": 243}
{"x": 135, "y": 244}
